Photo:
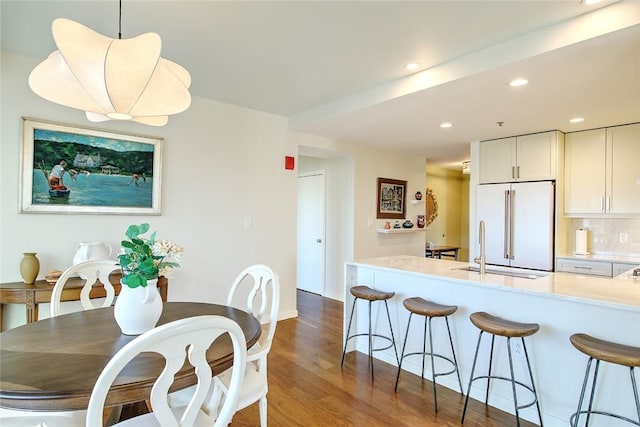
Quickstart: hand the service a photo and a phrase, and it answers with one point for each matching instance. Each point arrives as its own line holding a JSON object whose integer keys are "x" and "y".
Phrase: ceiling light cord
{"x": 120, "y": 22}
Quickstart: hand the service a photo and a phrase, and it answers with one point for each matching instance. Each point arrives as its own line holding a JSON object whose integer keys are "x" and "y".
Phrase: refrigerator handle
{"x": 511, "y": 223}
{"x": 506, "y": 224}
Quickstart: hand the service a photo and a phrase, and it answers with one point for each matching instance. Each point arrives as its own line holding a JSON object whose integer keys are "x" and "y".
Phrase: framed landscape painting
{"x": 72, "y": 169}
{"x": 392, "y": 195}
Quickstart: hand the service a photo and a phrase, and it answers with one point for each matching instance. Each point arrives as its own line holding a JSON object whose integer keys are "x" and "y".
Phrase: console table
{"x": 40, "y": 291}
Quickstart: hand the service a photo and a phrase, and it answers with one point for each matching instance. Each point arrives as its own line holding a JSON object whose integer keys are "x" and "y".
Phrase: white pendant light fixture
{"x": 111, "y": 79}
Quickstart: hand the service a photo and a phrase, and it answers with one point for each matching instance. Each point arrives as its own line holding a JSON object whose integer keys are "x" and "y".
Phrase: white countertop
{"x": 621, "y": 290}
{"x": 626, "y": 259}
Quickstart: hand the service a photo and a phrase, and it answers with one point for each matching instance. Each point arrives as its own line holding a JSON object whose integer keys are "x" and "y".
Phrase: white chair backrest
{"x": 90, "y": 271}
{"x": 176, "y": 341}
{"x": 262, "y": 288}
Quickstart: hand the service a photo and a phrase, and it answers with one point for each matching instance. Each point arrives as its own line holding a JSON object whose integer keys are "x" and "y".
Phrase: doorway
{"x": 311, "y": 232}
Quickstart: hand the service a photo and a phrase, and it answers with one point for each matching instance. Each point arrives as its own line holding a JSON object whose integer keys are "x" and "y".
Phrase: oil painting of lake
{"x": 80, "y": 170}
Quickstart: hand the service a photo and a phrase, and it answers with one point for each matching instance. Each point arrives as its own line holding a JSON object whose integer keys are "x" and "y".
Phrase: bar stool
{"x": 605, "y": 351}
{"x": 429, "y": 310}
{"x": 505, "y": 328}
{"x": 368, "y": 294}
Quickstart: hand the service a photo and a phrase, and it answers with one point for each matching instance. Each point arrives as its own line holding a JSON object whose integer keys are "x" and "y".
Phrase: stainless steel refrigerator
{"x": 519, "y": 221}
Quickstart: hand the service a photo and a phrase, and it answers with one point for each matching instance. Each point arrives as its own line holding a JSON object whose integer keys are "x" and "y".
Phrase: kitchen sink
{"x": 523, "y": 274}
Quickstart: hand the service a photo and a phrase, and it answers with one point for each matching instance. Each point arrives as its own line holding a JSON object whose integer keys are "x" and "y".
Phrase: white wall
{"x": 352, "y": 174}
{"x": 221, "y": 164}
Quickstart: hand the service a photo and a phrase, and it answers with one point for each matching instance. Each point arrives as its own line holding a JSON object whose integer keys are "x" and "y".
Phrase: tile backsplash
{"x": 609, "y": 236}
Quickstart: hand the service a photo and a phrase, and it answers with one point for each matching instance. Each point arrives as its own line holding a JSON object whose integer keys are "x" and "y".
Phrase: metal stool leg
{"x": 433, "y": 368}
{"x": 370, "y": 343}
{"x": 344, "y": 352}
{"x": 593, "y": 390}
{"x": 393, "y": 339}
{"x": 453, "y": 352}
{"x": 473, "y": 368}
{"x": 513, "y": 382}
{"x": 424, "y": 346}
{"x": 576, "y": 416}
{"x": 486, "y": 398}
{"x": 533, "y": 385}
{"x": 634, "y": 386}
{"x": 404, "y": 346}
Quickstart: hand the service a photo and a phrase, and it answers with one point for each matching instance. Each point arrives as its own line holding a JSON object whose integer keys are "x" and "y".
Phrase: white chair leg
{"x": 263, "y": 411}
{"x": 212, "y": 403}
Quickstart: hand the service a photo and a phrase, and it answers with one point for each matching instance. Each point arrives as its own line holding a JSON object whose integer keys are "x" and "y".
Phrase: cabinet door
{"x": 619, "y": 268}
{"x": 492, "y": 210}
{"x": 536, "y": 157}
{"x": 497, "y": 161}
{"x": 623, "y": 169}
{"x": 584, "y": 172}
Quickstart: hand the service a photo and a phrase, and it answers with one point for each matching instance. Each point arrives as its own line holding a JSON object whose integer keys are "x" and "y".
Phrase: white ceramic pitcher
{"x": 91, "y": 251}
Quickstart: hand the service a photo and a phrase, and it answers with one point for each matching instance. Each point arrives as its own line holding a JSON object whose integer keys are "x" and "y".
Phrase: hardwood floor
{"x": 307, "y": 387}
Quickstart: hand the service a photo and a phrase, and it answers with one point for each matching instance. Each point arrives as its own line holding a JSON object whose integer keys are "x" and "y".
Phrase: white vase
{"x": 137, "y": 310}
{"x": 90, "y": 251}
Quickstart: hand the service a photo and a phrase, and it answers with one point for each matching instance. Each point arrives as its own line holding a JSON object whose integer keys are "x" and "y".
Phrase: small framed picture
{"x": 392, "y": 195}
{"x": 72, "y": 169}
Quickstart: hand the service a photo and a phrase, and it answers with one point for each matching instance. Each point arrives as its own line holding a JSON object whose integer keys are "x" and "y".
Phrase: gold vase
{"x": 29, "y": 267}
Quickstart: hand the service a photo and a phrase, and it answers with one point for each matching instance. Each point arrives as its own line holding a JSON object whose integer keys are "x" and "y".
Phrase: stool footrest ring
{"x": 521, "y": 384}
{"x": 608, "y": 414}
{"x": 435, "y": 374}
{"x": 374, "y": 335}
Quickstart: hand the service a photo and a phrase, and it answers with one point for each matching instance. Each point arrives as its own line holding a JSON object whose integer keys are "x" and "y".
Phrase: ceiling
{"x": 336, "y": 68}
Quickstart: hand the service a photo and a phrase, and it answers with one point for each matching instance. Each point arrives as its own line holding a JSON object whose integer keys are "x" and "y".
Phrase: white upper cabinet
{"x": 623, "y": 171}
{"x": 601, "y": 171}
{"x": 523, "y": 158}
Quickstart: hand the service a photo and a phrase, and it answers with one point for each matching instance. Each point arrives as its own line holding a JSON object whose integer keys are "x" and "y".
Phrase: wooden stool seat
{"x": 369, "y": 294}
{"x": 422, "y": 307}
{"x": 501, "y": 327}
{"x": 607, "y": 351}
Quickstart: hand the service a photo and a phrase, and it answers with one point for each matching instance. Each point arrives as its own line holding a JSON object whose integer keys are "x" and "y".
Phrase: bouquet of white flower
{"x": 145, "y": 259}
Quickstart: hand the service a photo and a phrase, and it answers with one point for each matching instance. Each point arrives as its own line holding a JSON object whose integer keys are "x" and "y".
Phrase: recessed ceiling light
{"x": 518, "y": 82}
{"x": 577, "y": 120}
{"x": 412, "y": 66}
{"x": 446, "y": 125}
{"x": 590, "y": 2}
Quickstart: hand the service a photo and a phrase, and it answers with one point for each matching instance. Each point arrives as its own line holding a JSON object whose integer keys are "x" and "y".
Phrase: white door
{"x": 311, "y": 232}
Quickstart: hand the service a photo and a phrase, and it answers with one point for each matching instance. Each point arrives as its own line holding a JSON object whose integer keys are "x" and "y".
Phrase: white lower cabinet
{"x": 619, "y": 268}
{"x": 592, "y": 267}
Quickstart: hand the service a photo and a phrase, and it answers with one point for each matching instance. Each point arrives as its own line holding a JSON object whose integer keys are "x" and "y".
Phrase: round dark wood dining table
{"x": 53, "y": 364}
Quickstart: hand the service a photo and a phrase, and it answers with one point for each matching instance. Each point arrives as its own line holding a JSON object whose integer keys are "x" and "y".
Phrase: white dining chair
{"x": 257, "y": 290}
{"x": 90, "y": 271}
{"x": 183, "y": 339}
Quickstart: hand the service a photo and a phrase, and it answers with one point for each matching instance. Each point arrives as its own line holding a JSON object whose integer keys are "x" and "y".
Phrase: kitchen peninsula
{"x": 562, "y": 303}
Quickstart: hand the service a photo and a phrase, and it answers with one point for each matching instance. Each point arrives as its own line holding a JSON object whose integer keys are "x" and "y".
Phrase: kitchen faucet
{"x": 482, "y": 259}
